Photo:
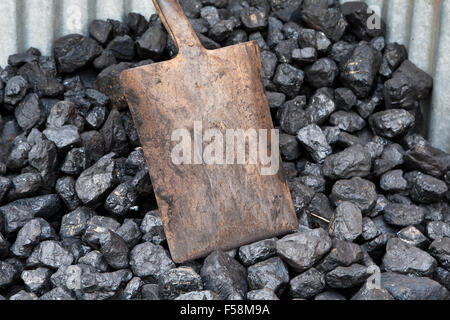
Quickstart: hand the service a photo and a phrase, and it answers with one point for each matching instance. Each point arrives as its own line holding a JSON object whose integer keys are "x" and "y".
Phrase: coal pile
{"x": 78, "y": 217}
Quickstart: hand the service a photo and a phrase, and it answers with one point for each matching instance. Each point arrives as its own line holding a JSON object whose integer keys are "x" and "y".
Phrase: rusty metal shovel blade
{"x": 206, "y": 207}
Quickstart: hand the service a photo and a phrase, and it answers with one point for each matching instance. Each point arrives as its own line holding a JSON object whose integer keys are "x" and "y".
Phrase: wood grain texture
{"x": 206, "y": 207}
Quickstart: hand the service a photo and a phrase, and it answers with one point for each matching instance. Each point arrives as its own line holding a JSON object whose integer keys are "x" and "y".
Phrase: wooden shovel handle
{"x": 177, "y": 25}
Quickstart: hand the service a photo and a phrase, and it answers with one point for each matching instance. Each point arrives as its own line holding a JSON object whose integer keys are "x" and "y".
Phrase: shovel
{"x": 208, "y": 205}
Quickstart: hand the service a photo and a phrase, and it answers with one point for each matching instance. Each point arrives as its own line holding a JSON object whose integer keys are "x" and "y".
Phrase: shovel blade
{"x": 206, "y": 207}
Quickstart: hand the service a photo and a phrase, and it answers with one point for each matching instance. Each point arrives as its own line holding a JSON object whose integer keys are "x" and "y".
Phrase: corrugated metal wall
{"x": 422, "y": 25}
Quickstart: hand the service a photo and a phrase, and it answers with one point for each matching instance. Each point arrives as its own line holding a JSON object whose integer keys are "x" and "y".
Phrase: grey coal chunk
{"x": 16, "y": 214}
{"x": 393, "y": 56}
{"x": 93, "y": 144}
{"x": 346, "y": 224}
{"x": 178, "y": 281}
{"x": 288, "y": 79}
{"x": 96, "y": 117}
{"x": 347, "y": 277}
{"x": 65, "y": 137}
{"x": 272, "y": 274}
{"x": 391, "y": 123}
{"x": 403, "y": 215}
{"x": 25, "y": 185}
{"x": 8, "y": 273}
{"x": 307, "y": 285}
{"x": 37, "y": 280}
{"x": 130, "y": 232}
{"x": 121, "y": 199}
{"x": 345, "y": 98}
{"x": 426, "y": 189}
{"x": 399, "y": 92}
{"x": 43, "y": 156}
{"x": 135, "y": 161}
{"x": 372, "y": 294}
{"x": 391, "y": 157}
{"x": 414, "y": 237}
{"x": 330, "y": 296}
{"x": 320, "y": 106}
{"x": 57, "y": 294}
{"x": 440, "y": 249}
{"x": 94, "y": 259}
{"x": 403, "y": 287}
{"x": 222, "y": 30}
{"x": 342, "y": 254}
{"x": 274, "y": 32}
{"x": 114, "y": 250}
{"x": 73, "y": 52}
{"x": 4, "y": 247}
{"x": 292, "y": 115}
{"x": 254, "y": 19}
{"x": 269, "y": 63}
{"x": 341, "y": 51}
{"x": 419, "y": 79}
{"x": 50, "y": 254}
{"x": 101, "y": 31}
{"x": 149, "y": 260}
{"x": 301, "y": 194}
{"x": 393, "y": 181}
{"x": 152, "y": 228}
{"x": 42, "y": 77}
{"x": 304, "y": 249}
{"x": 24, "y": 296}
{"x": 114, "y": 134}
{"x": 5, "y": 186}
{"x": 18, "y": 156}
{"x": 284, "y": 50}
{"x": 30, "y": 235}
{"x": 75, "y": 162}
{"x": 438, "y": 229}
{"x": 286, "y": 10}
{"x": 322, "y": 73}
{"x": 75, "y": 223}
{"x": 191, "y": 8}
{"x": 262, "y": 294}
{"x": 151, "y": 292}
{"x": 199, "y": 295}
{"x": 442, "y": 276}
{"x": 359, "y": 71}
{"x": 348, "y": 121}
{"x": 97, "y": 227}
{"x": 61, "y": 114}
{"x": 354, "y": 161}
{"x": 363, "y": 23}
{"x": 257, "y": 251}
{"x": 329, "y": 21}
{"x": 404, "y": 258}
{"x": 360, "y": 192}
{"x": 108, "y": 83}
{"x": 97, "y": 181}
{"x": 302, "y": 57}
{"x": 152, "y": 43}
{"x": 15, "y": 90}
{"x": 65, "y": 188}
{"x": 426, "y": 159}
{"x": 225, "y": 276}
{"x": 133, "y": 288}
{"x": 28, "y": 113}
{"x": 210, "y": 14}
{"x": 314, "y": 141}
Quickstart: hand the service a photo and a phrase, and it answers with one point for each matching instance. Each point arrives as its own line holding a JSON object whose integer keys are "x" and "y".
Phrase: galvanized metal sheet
{"x": 422, "y": 25}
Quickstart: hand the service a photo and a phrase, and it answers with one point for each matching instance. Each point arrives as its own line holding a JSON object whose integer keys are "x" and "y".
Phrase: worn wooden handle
{"x": 177, "y": 25}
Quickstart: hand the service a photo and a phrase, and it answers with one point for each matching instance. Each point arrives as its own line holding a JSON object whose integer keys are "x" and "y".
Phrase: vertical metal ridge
{"x": 422, "y": 43}
{"x": 112, "y": 9}
{"x": 9, "y": 29}
{"x": 439, "y": 129}
{"x": 398, "y": 17}
{"x": 38, "y": 13}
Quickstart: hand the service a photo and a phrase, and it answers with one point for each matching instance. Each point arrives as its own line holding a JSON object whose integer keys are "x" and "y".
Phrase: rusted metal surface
{"x": 206, "y": 207}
